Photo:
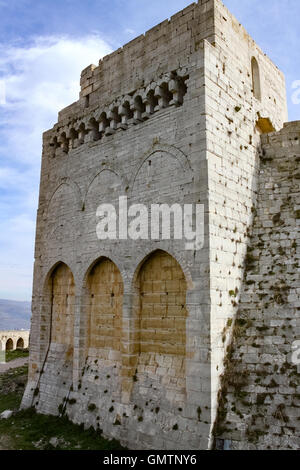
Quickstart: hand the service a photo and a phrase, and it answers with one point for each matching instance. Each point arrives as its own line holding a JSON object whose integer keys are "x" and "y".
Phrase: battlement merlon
{"x": 164, "y": 48}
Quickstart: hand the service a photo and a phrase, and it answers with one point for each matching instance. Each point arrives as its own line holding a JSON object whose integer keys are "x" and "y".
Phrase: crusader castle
{"x": 159, "y": 346}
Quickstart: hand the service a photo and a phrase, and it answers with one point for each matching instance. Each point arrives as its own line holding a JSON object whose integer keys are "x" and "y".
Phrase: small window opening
{"x": 255, "y": 79}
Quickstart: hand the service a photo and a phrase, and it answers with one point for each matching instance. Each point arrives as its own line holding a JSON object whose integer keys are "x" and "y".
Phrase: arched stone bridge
{"x": 14, "y": 339}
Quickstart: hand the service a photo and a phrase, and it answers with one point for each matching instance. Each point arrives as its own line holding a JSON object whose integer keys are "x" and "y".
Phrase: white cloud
{"x": 130, "y": 31}
{"x": 40, "y": 79}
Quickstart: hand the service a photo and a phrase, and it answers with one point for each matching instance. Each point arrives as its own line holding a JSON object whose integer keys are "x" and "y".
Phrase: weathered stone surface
{"x": 265, "y": 403}
{"x": 6, "y": 414}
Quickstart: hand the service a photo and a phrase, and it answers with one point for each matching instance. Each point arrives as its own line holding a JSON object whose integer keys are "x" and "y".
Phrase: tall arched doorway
{"x": 9, "y": 345}
{"x": 55, "y": 371}
{"x": 20, "y": 343}
{"x": 105, "y": 291}
{"x": 63, "y": 300}
{"x": 160, "y": 307}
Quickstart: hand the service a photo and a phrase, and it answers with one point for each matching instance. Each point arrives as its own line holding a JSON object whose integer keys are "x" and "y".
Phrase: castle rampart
{"x": 128, "y": 335}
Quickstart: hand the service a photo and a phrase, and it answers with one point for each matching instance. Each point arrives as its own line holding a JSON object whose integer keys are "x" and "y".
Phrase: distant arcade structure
{"x": 11, "y": 340}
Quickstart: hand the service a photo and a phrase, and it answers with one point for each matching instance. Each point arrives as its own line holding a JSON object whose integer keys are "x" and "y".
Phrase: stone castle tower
{"x": 133, "y": 336}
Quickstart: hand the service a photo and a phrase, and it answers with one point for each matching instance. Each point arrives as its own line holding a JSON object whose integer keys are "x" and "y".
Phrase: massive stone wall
{"x": 259, "y": 399}
{"x": 175, "y": 116}
{"x": 149, "y": 145}
{"x": 236, "y": 117}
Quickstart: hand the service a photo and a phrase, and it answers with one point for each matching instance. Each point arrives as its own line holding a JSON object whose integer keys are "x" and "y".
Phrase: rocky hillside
{"x": 14, "y": 315}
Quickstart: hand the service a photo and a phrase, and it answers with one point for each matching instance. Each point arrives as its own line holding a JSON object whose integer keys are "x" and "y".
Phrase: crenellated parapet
{"x": 125, "y": 111}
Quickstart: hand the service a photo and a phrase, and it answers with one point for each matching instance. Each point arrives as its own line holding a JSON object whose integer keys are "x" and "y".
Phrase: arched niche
{"x": 160, "y": 313}
{"x": 62, "y": 308}
{"x": 104, "y": 303}
{"x": 256, "y": 85}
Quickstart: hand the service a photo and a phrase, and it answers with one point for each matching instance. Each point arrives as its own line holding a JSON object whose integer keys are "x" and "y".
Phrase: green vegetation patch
{"x": 28, "y": 430}
{"x": 12, "y": 385}
{"x": 16, "y": 354}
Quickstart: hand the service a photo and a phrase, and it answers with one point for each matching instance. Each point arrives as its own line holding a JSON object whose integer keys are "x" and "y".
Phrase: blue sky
{"x": 44, "y": 44}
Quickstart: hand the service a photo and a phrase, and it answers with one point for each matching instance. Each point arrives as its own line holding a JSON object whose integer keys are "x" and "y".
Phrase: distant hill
{"x": 14, "y": 315}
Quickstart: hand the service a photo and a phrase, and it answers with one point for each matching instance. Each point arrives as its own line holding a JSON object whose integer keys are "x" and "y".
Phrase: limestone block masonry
{"x": 259, "y": 398}
{"x": 132, "y": 336}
